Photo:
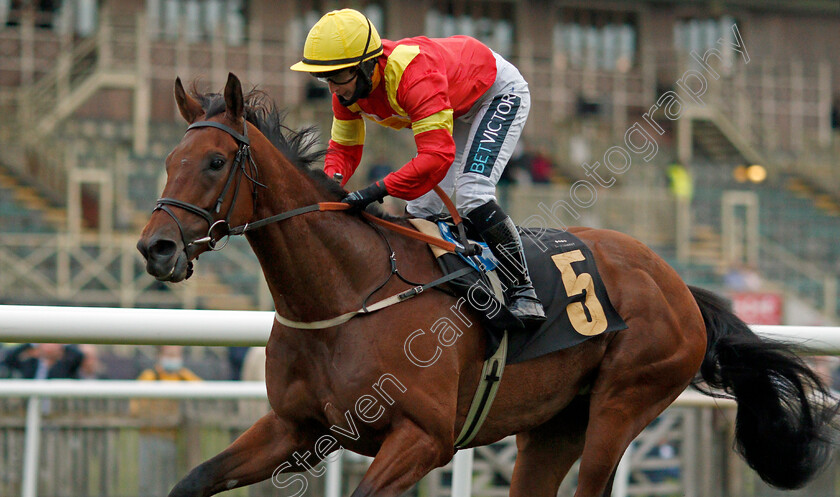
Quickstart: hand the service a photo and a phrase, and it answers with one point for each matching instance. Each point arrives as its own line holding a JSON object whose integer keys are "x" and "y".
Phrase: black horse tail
{"x": 785, "y": 418}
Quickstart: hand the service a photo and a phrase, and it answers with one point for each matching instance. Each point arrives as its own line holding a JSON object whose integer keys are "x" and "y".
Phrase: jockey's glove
{"x": 361, "y": 198}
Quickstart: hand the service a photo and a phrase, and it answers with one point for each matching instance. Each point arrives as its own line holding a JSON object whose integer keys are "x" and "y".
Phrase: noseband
{"x": 241, "y": 162}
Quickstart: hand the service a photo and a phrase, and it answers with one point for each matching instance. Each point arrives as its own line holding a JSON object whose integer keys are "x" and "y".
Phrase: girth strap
{"x": 488, "y": 386}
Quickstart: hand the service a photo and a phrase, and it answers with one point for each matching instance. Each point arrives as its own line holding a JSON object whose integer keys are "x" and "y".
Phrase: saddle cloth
{"x": 565, "y": 278}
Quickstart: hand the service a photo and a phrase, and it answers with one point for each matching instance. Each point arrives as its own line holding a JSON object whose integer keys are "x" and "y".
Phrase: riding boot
{"x": 502, "y": 237}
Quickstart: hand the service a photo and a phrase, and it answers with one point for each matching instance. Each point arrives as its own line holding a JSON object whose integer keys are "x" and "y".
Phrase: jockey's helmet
{"x": 340, "y": 39}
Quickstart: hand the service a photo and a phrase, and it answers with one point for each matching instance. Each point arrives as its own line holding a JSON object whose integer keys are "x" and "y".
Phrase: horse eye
{"x": 217, "y": 163}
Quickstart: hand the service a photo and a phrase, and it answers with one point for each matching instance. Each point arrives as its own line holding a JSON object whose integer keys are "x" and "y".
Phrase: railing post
{"x": 704, "y": 449}
{"x": 462, "y": 466}
{"x": 334, "y": 467}
{"x": 621, "y": 483}
{"x": 689, "y": 467}
{"x": 32, "y": 448}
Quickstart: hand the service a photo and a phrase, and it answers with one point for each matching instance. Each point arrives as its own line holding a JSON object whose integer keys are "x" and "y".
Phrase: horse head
{"x": 210, "y": 175}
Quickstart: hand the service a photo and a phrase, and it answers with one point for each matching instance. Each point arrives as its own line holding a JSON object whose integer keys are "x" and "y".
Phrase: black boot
{"x": 498, "y": 230}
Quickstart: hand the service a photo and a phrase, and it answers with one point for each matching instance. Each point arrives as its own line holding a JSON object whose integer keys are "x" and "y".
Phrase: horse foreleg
{"x": 251, "y": 458}
{"x": 608, "y": 490}
{"x": 405, "y": 457}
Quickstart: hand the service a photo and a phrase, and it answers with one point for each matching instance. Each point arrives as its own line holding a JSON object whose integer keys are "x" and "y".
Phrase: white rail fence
{"x": 23, "y": 324}
{"x": 227, "y": 328}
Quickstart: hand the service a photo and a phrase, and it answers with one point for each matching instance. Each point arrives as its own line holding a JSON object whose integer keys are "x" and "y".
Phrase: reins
{"x": 244, "y": 159}
{"x": 341, "y": 206}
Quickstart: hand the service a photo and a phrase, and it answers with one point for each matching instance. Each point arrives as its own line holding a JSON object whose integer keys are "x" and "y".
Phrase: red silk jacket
{"x": 423, "y": 84}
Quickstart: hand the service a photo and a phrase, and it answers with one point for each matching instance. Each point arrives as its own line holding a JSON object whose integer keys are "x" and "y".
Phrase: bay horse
{"x": 352, "y": 386}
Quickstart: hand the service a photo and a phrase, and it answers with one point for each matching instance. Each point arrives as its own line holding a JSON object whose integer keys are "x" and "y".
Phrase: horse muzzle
{"x": 166, "y": 259}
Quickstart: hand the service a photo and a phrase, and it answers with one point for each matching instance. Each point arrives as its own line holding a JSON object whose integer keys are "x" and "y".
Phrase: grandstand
{"x": 88, "y": 93}
{"x": 89, "y": 117}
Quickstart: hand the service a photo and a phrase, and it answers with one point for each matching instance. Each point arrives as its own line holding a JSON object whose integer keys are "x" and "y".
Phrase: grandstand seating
{"x": 791, "y": 218}
{"x": 225, "y": 281}
{"x": 23, "y": 209}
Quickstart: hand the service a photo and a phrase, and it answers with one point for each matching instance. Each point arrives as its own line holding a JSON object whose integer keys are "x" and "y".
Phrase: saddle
{"x": 565, "y": 278}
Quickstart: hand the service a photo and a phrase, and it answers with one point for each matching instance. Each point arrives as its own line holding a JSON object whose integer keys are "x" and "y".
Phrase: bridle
{"x": 241, "y": 164}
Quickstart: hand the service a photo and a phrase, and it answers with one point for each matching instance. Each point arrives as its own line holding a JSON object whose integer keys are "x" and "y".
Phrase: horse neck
{"x": 317, "y": 265}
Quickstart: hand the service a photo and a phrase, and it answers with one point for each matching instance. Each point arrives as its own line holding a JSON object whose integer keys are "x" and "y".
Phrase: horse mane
{"x": 299, "y": 146}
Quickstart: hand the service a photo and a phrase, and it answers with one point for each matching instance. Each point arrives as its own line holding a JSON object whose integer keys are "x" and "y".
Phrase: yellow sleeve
{"x": 348, "y": 132}
{"x": 438, "y": 120}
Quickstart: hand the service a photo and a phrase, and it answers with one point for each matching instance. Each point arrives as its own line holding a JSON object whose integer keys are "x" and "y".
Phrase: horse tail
{"x": 785, "y": 414}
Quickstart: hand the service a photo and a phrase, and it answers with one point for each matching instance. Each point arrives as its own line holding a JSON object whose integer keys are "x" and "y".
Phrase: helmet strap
{"x": 364, "y": 82}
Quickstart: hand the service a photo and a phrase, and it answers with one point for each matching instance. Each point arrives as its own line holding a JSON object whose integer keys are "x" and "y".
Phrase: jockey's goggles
{"x": 330, "y": 77}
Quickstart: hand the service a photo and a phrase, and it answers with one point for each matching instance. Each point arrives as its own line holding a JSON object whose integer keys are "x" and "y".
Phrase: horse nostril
{"x": 162, "y": 249}
{"x": 141, "y": 247}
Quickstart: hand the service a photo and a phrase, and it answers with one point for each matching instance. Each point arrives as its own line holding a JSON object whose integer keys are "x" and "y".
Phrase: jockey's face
{"x": 343, "y": 82}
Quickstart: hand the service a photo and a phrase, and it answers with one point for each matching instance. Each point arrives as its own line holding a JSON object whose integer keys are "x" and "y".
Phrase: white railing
{"x": 224, "y": 328}
{"x": 35, "y": 390}
{"x": 23, "y": 324}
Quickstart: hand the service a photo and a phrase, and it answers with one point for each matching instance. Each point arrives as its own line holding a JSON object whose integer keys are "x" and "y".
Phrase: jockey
{"x": 466, "y": 106}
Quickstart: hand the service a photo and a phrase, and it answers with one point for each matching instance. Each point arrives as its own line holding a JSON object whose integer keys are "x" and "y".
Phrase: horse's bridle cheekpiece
{"x": 221, "y": 227}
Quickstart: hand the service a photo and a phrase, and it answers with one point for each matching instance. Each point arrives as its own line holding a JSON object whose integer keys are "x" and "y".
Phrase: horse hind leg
{"x": 547, "y": 452}
{"x": 631, "y": 390}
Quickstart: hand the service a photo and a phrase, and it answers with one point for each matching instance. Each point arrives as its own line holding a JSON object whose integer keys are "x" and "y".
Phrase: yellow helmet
{"x": 342, "y": 38}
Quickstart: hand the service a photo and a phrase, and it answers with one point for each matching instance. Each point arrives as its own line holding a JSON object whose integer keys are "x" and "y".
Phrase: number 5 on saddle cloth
{"x": 565, "y": 278}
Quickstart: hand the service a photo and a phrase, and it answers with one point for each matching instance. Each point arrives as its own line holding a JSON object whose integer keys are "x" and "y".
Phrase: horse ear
{"x": 234, "y": 103}
{"x": 189, "y": 108}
